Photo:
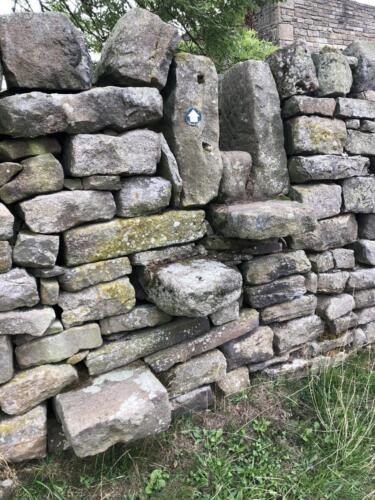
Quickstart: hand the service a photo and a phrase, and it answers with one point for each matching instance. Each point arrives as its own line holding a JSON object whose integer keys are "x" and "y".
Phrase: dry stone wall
{"x": 166, "y": 235}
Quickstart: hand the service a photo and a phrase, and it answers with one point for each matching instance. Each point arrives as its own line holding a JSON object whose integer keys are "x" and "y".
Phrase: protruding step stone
{"x": 37, "y": 114}
{"x": 17, "y": 289}
{"x": 132, "y": 153}
{"x": 326, "y": 167}
{"x": 144, "y": 343}
{"x": 17, "y": 149}
{"x": 125, "y": 236}
{"x": 359, "y": 195}
{"x": 364, "y": 252}
{"x": 323, "y": 199}
{"x": 234, "y": 381}
{"x": 138, "y": 51}
{"x": 97, "y": 302}
{"x": 254, "y": 347}
{"x": 302, "y": 306}
{"x": 55, "y": 348}
{"x": 143, "y": 316}
{"x": 6, "y": 359}
{"x": 334, "y": 73}
{"x": 315, "y": 135}
{"x": 234, "y": 184}
{"x": 142, "y": 196}
{"x": 294, "y": 70}
{"x": 305, "y": 105}
{"x": 163, "y": 360}
{"x": 262, "y": 220}
{"x": 192, "y": 89}
{"x": 364, "y": 71}
{"x": 296, "y": 332}
{"x": 24, "y": 437}
{"x": 77, "y": 278}
{"x": 342, "y": 324}
{"x": 250, "y": 120}
{"x": 65, "y": 63}
{"x": 119, "y": 407}
{"x": 196, "y": 400}
{"x": 335, "y": 306}
{"x": 31, "y": 387}
{"x": 54, "y": 213}
{"x": 276, "y": 292}
{"x": 330, "y": 233}
{"x": 34, "y": 322}
{"x": 193, "y": 288}
{"x": 201, "y": 370}
{"x": 35, "y": 250}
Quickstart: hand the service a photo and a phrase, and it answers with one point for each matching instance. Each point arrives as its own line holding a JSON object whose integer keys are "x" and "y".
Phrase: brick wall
{"x": 318, "y": 22}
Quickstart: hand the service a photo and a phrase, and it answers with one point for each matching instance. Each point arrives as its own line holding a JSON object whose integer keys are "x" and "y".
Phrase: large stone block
{"x": 118, "y": 407}
{"x": 236, "y": 176}
{"x": 55, "y": 348}
{"x": 255, "y": 347}
{"x": 315, "y": 135}
{"x": 132, "y": 153}
{"x": 165, "y": 359}
{"x": 96, "y": 302}
{"x": 275, "y": 292}
{"x": 202, "y": 370}
{"x": 364, "y": 71}
{"x": 35, "y": 250}
{"x": 296, "y": 332}
{"x": 364, "y": 298}
{"x": 262, "y": 220}
{"x": 334, "y": 306}
{"x": 343, "y": 258}
{"x": 326, "y": 167}
{"x": 331, "y": 283}
{"x": 17, "y": 289}
{"x": 334, "y": 73}
{"x": 193, "y": 86}
{"x": 305, "y": 105}
{"x": 192, "y": 288}
{"x": 6, "y": 359}
{"x": 119, "y": 237}
{"x": 294, "y": 70}
{"x": 366, "y": 226}
{"x": 36, "y": 114}
{"x": 24, "y": 437}
{"x": 301, "y": 306}
{"x": 6, "y": 223}
{"x": 143, "y": 316}
{"x": 143, "y": 343}
{"x": 138, "y": 51}
{"x": 16, "y": 149}
{"x": 56, "y": 56}
{"x": 75, "y": 279}
{"x": 250, "y": 120}
{"x": 323, "y": 199}
{"x": 54, "y": 213}
{"x": 271, "y": 267}
{"x": 365, "y": 252}
{"x": 34, "y": 322}
{"x": 358, "y": 194}
{"x": 366, "y": 315}
{"x": 142, "y": 196}
{"x": 330, "y": 233}
{"x": 30, "y": 387}
{"x": 360, "y": 143}
{"x": 355, "y": 108}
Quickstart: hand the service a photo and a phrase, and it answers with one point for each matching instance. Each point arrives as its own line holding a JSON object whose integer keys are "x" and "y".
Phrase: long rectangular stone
{"x": 297, "y": 332}
{"x": 143, "y": 316}
{"x": 355, "y": 108}
{"x": 165, "y": 359}
{"x": 144, "y": 343}
{"x": 275, "y": 292}
{"x": 326, "y": 167}
{"x": 119, "y": 237}
{"x": 302, "y": 306}
{"x": 323, "y": 199}
{"x": 255, "y": 347}
{"x": 364, "y": 298}
{"x": 361, "y": 279}
{"x": 360, "y": 143}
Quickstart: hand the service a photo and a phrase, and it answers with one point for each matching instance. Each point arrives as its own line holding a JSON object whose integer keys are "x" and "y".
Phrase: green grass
{"x": 306, "y": 439}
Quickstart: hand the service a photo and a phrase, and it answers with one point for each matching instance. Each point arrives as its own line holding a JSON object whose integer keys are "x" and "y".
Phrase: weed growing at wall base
{"x": 300, "y": 439}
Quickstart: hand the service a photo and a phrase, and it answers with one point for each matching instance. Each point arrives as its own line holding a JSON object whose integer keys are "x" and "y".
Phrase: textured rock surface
{"x": 132, "y": 153}
{"x": 364, "y": 252}
{"x": 49, "y": 291}
{"x": 16, "y": 149}
{"x": 58, "y": 212}
{"x": 322, "y": 262}
{"x": 330, "y": 283}
{"x": 334, "y": 73}
{"x": 142, "y": 196}
{"x": 236, "y": 176}
{"x": 33, "y": 322}
{"x": 6, "y": 223}
{"x": 323, "y": 199}
{"x": 296, "y": 332}
{"x": 360, "y": 143}
{"x": 315, "y": 135}
{"x": 24, "y": 437}
{"x": 192, "y": 288}
{"x": 366, "y": 226}
{"x": 65, "y": 64}
{"x": 364, "y": 298}
{"x": 75, "y": 279}
{"x": 193, "y": 85}
{"x": 195, "y": 400}
{"x": 305, "y": 105}
{"x": 102, "y": 182}
{"x": 326, "y": 167}
{"x": 5, "y": 257}
{"x": 118, "y": 407}
{"x": 275, "y": 292}
{"x": 226, "y": 314}
{"x": 143, "y": 316}
{"x": 17, "y": 289}
{"x": 96, "y": 302}
{"x": 138, "y": 51}
{"x": 162, "y": 255}
{"x": 163, "y": 360}
{"x": 168, "y": 169}
{"x": 250, "y": 121}
{"x": 203, "y": 369}
{"x": 364, "y": 72}
{"x": 234, "y": 381}
{"x": 144, "y": 343}
{"x": 302, "y": 306}
{"x": 335, "y": 306}
{"x": 342, "y": 324}
{"x": 7, "y": 171}
{"x": 262, "y": 220}
{"x": 35, "y": 250}
{"x": 55, "y": 348}
{"x": 294, "y": 70}
{"x": 29, "y": 388}
{"x": 255, "y": 347}
{"x": 105, "y": 241}
{"x": 343, "y": 258}
{"x": 355, "y": 108}
{"x": 358, "y": 194}
{"x": 6, "y": 359}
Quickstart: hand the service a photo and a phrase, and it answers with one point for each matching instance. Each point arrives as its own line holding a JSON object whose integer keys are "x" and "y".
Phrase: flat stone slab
{"x": 326, "y": 167}
{"x": 358, "y": 194}
{"x": 276, "y": 292}
{"x": 30, "y": 387}
{"x": 301, "y": 306}
{"x": 96, "y": 302}
{"x": 24, "y": 437}
{"x": 323, "y": 199}
{"x": 143, "y": 343}
{"x": 143, "y": 316}
{"x": 16, "y": 149}
{"x": 306, "y": 105}
{"x": 192, "y": 288}
{"x": 120, "y": 237}
{"x": 360, "y": 143}
{"x": 17, "y": 289}
{"x": 196, "y": 400}
{"x": 355, "y": 108}
{"x": 334, "y": 306}
{"x": 262, "y": 220}
{"x": 165, "y": 359}
{"x": 6, "y": 359}
{"x": 297, "y": 332}
{"x": 34, "y": 322}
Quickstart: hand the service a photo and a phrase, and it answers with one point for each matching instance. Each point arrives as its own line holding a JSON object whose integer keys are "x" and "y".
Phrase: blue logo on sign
{"x": 193, "y": 117}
